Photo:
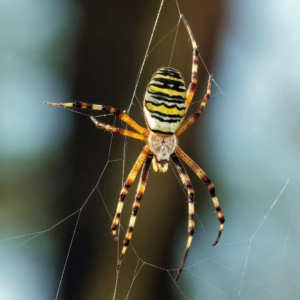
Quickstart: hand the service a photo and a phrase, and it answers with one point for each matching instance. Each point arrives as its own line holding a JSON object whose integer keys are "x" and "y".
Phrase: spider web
{"x": 258, "y": 254}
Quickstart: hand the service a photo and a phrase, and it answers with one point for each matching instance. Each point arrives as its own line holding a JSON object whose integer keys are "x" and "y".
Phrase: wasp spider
{"x": 165, "y": 105}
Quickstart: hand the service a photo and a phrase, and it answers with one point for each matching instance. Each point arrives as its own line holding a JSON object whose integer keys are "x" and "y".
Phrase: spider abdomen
{"x": 164, "y": 104}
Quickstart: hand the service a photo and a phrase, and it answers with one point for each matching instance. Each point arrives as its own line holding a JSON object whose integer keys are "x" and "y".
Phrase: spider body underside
{"x": 165, "y": 105}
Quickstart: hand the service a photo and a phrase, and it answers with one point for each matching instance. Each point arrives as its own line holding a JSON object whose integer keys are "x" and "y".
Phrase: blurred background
{"x": 51, "y": 159}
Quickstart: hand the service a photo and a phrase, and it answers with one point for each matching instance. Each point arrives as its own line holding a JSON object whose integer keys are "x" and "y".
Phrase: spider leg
{"x": 202, "y": 175}
{"x": 191, "y": 225}
{"x": 194, "y": 78}
{"x": 136, "y": 205}
{"x": 192, "y": 119}
{"x": 121, "y": 115}
{"x": 121, "y": 131}
{"x": 127, "y": 184}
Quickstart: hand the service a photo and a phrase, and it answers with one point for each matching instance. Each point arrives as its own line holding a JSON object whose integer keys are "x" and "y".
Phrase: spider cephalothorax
{"x": 162, "y": 147}
{"x": 165, "y": 105}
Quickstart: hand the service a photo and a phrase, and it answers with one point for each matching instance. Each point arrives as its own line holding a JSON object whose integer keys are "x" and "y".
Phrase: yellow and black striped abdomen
{"x": 164, "y": 104}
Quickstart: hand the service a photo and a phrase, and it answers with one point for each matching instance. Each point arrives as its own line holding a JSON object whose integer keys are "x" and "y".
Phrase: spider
{"x": 165, "y": 105}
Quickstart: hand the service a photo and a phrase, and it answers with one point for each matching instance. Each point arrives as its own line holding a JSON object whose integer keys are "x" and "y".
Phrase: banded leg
{"x": 136, "y": 205}
{"x": 192, "y": 119}
{"x": 127, "y": 184}
{"x": 121, "y": 131}
{"x": 202, "y": 175}
{"x": 191, "y": 225}
{"x": 194, "y": 79}
{"x": 121, "y": 115}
